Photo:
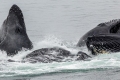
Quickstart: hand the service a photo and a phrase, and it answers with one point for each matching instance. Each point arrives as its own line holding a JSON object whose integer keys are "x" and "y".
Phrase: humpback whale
{"x": 111, "y": 27}
{"x": 54, "y": 54}
{"x": 13, "y": 36}
{"x": 45, "y": 55}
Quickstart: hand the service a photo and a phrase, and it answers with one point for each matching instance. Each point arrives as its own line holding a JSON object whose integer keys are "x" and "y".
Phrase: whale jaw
{"x": 103, "y": 44}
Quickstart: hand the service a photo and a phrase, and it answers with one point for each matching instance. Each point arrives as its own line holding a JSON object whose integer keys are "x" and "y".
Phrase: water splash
{"x": 8, "y": 69}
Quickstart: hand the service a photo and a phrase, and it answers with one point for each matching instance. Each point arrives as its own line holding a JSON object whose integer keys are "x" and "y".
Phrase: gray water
{"x": 61, "y": 23}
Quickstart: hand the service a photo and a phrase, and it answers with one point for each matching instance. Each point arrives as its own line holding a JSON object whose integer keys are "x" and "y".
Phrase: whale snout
{"x": 16, "y": 10}
{"x": 15, "y": 16}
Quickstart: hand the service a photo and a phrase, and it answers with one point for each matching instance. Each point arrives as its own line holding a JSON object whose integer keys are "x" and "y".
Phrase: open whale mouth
{"x": 103, "y": 44}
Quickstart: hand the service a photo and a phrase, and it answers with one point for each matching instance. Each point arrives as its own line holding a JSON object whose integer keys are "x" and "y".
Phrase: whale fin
{"x": 103, "y": 44}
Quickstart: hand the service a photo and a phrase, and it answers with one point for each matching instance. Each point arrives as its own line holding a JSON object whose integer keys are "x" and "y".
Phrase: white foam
{"x": 17, "y": 68}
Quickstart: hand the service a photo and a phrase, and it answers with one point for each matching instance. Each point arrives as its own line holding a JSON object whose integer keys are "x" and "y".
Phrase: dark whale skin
{"x": 13, "y": 36}
{"x": 111, "y": 27}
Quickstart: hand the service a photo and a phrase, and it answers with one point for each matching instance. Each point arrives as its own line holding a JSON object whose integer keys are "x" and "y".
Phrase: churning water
{"x": 61, "y": 23}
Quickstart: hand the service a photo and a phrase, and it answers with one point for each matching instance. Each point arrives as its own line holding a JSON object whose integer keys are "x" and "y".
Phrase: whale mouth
{"x": 103, "y": 44}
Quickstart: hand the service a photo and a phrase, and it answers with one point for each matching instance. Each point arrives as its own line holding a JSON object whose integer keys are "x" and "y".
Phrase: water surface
{"x": 61, "y": 23}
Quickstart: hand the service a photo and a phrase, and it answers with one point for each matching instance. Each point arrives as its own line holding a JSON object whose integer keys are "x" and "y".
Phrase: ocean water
{"x": 61, "y": 23}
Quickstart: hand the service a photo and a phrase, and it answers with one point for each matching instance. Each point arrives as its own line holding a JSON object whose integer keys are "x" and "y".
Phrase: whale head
{"x": 13, "y": 36}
